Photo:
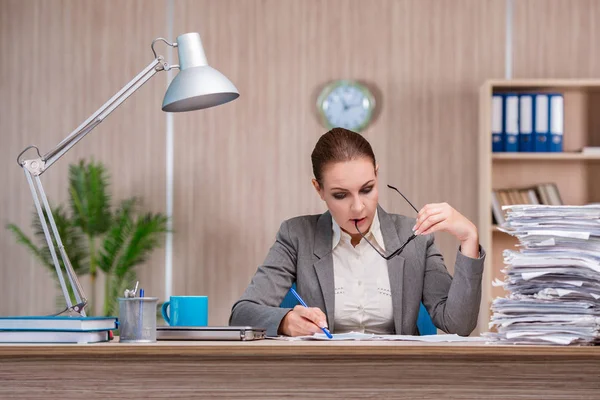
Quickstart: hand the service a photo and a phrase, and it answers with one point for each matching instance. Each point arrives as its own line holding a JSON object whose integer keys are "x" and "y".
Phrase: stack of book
{"x": 58, "y": 329}
{"x": 553, "y": 281}
{"x": 542, "y": 193}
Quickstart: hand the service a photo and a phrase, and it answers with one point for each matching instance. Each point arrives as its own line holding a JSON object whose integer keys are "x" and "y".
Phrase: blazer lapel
{"x": 395, "y": 265}
{"x": 324, "y": 265}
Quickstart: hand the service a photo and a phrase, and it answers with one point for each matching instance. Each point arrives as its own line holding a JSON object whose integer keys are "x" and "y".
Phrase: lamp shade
{"x": 197, "y": 85}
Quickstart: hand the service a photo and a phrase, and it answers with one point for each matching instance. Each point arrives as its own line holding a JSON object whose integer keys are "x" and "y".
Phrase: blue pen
{"x": 141, "y": 326}
{"x": 304, "y": 304}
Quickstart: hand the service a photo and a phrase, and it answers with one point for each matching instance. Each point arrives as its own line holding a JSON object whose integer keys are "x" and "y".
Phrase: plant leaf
{"x": 28, "y": 243}
{"x": 89, "y": 197}
{"x": 116, "y": 237}
{"x": 71, "y": 238}
{"x": 146, "y": 236}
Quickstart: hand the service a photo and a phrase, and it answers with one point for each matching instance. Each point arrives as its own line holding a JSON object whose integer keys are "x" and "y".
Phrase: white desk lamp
{"x": 195, "y": 87}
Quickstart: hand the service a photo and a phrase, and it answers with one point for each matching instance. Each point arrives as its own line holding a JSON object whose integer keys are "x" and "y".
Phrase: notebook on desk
{"x": 57, "y": 323}
{"x": 54, "y": 336}
{"x": 241, "y": 333}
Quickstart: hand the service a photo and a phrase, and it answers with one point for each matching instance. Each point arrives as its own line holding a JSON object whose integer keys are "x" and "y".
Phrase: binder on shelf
{"x": 511, "y": 123}
{"x": 557, "y": 112}
{"x": 541, "y": 129}
{"x": 497, "y": 122}
{"x": 526, "y": 122}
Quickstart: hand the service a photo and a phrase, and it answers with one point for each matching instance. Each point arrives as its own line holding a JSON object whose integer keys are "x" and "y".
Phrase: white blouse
{"x": 363, "y": 300}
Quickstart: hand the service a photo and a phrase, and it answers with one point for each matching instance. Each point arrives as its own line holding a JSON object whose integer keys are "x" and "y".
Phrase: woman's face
{"x": 350, "y": 192}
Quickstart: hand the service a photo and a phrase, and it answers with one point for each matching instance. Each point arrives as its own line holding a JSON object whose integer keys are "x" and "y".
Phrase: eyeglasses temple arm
{"x": 394, "y": 254}
{"x": 367, "y": 240}
{"x": 411, "y": 204}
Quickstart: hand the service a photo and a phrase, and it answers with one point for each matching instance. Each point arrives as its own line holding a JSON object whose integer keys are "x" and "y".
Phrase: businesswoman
{"x": 359, "y": 268}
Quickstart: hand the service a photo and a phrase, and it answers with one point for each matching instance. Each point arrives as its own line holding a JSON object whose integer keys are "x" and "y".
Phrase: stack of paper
{"x": 553, "y": 280}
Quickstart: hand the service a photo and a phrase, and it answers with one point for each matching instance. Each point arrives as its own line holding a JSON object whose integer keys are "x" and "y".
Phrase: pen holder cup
{"x": 137, "y": 319}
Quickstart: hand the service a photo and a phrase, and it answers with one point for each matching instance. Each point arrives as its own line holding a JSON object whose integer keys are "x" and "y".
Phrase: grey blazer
{"x": 302, "y": 253}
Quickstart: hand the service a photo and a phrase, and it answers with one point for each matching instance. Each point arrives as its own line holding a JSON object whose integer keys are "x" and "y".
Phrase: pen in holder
{"x": 137, "y": 318}
{"x": 141, "y": 323}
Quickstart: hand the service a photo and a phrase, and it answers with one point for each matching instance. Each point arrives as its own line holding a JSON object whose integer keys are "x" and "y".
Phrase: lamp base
{"x": 76, "y": 310}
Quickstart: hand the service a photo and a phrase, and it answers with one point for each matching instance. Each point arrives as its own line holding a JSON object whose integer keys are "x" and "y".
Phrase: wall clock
{"x": 346, "y": 104}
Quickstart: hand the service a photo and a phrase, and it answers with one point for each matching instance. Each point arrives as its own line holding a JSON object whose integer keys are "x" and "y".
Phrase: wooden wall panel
{"x": 244, "y": 167}
{"x": 62, "y": 60}
{"x": 556, "y": 39}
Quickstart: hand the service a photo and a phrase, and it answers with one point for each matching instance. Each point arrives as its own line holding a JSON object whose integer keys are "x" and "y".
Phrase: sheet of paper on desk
{"x": 433, "y": 338}
{"x": 340, "y": 336}
{"x": 322, "y": 336}
{"x": 372, "y": 337}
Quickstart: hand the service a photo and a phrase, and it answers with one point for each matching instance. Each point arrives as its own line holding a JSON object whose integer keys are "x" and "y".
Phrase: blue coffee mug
{"x": 186, "y": 311}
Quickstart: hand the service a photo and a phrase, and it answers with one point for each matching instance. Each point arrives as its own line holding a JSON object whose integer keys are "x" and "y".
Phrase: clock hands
{"x": 344, "y": 104}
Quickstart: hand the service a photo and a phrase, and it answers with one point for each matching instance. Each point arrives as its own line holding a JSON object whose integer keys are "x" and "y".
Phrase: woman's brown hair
{"x": 339, "y": 145}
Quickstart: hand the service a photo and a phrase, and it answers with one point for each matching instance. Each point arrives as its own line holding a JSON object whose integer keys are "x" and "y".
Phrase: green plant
{"x": 96, "y": 237}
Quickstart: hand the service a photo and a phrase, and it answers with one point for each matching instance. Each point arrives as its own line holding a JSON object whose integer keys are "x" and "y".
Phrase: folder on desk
{"x": 511, "y": 122}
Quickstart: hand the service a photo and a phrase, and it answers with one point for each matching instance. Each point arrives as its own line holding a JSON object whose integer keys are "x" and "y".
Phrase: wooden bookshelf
{"x": 576, "y": 175}
{"x": 565, "y": 156}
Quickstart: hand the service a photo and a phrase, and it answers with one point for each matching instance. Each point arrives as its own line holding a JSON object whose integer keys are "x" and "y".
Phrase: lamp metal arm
{"x": 34, "y": 167}
{"x": 38, "y": 165}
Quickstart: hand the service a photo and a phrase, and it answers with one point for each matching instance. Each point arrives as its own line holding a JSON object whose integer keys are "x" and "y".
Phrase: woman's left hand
{"x": 441, "y": 217}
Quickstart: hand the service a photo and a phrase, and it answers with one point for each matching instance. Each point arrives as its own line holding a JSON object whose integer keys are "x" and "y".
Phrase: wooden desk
{"x": 309, "y": 370}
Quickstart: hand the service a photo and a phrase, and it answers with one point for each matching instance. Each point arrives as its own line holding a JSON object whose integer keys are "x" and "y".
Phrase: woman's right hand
{"x": 303, "y": 321}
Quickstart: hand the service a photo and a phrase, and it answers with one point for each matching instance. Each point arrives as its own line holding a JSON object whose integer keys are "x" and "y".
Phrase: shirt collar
{"x": 374, "y": 233}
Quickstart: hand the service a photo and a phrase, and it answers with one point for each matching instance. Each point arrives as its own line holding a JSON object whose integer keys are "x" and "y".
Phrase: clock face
{"x": 346, "y": 104}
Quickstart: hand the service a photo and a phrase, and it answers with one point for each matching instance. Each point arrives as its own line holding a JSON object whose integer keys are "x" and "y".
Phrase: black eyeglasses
{"x": 394, "y": 254}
